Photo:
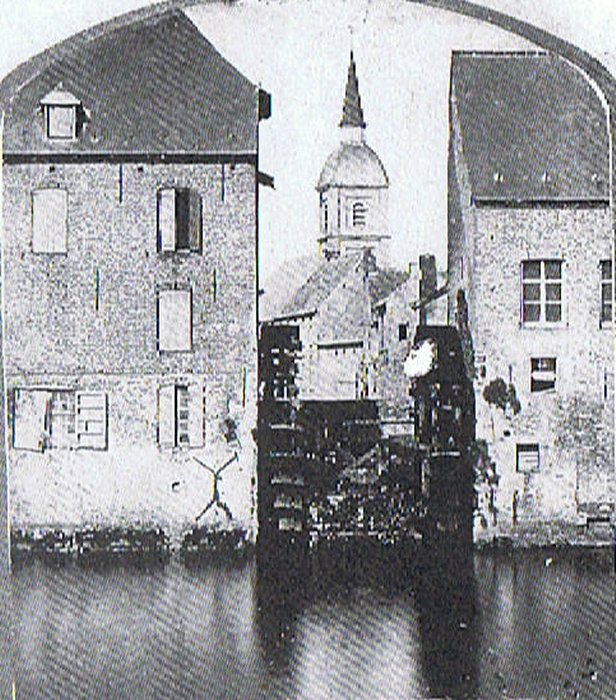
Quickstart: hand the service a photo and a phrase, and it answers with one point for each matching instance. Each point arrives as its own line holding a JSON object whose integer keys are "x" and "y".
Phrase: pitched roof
{"x": 154, "y": 85}
{"x": 383, "y": 281}
{"x": 533, "y": 128}
{"x": 352, "y": 113}
{"x": 321, "y": 283}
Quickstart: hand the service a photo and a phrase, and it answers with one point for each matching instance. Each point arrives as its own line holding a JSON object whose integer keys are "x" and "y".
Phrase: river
{"x": 534, "y": 624}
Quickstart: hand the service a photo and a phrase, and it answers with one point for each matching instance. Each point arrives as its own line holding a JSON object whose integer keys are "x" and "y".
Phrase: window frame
{"x": 184, "y": 199}
{"x": 606, "y": 300}
{"x": 34, "y": 197}
{"x": 187, "y": 411}
{"x": 542, "y": 366}
{"x": 48, "y": 114}
{"x": 167, "y": 290}
{"x": 543, "y": 301}
{"x": 82, "y": 422}
{"x": 527, "y": 448}
{"x": 359, "y": 214}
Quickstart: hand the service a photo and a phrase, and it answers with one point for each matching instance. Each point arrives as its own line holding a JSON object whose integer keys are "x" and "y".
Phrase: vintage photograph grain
{"x": 307, "y": 349}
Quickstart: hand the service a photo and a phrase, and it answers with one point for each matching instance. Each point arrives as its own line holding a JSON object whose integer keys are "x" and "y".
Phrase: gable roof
{"x": 154, "y": 85}
{"x": 533, "y": 128}
{"x": 321, "y": 283}
{"x": 384, "y": 281}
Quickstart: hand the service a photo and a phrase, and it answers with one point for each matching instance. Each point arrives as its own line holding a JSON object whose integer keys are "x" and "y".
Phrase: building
{"x": 357, "y": 314}
{"x": 353, "y": 186}
{"x": 129, "y": 295}
{"x": 531, "y": 286}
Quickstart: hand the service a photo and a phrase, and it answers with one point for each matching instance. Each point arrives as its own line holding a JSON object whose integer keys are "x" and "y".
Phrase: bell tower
{"x": 353, "y": 186}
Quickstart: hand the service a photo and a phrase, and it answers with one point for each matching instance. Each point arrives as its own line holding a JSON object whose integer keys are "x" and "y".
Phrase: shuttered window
{"x": 49, "y": 221}
{"x": 30, "y": 419}
{"x": 606, "y": 292}
{"x": 179, "y": 220}
{"x": 91, "y": 420}
{"x": 43, "y": 419}
{"x": 175, "y": 320}
{"x": 360, "y": 211}
{"x": 181, "y": 414}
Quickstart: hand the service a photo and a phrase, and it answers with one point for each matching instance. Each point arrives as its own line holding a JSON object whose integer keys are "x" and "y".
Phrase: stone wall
{"x": 573, "y": 424}
{"x": 58, "y": 333}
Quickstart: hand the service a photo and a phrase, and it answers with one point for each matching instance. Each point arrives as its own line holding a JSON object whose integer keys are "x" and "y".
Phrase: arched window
{"x": 359, "y": 214}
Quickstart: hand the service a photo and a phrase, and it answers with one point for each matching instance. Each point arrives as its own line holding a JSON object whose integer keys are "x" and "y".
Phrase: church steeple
{"x": 353, "y": 187}
{"x": 352, "y": 113}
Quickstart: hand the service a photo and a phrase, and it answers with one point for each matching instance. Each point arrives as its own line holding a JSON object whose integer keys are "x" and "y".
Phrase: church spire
{"x": 352, "y": 113}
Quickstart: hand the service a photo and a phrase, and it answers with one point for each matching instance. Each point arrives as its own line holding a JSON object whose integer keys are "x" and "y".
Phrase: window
{"x": 58, "y": 419}
{"x": 179, "y": 220}
{"x": 527, "y": 458}
{"x": 359, "y": 214}
{"x": 62, "y": 416}
{"x": 325, "y": 217}
{"x": 30, "y": 419}
{"x": 63, "y": 114}
{"x": 542, "y": 373}
{"x": 402, "y": 331}
{"x": 608, "y": 384}
{"x": 61, "y": 122}
{"x": 606, "y": 292}
{"x": 541, "y": 291}
{"x": 175, "y": 320}
{"x": 91, "y": 418}
{"x": 49, "y": 221}
{"x": 181, "y": 413}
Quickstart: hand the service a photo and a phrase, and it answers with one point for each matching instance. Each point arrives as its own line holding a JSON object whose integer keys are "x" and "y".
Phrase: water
{"x": 501, "y": 625}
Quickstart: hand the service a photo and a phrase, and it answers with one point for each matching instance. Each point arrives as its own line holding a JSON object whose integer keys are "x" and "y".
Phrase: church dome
{"x": 353, "y": 165}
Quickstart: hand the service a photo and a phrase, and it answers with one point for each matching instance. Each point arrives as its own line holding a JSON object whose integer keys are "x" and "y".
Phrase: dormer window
{"x": 61, "y": 111}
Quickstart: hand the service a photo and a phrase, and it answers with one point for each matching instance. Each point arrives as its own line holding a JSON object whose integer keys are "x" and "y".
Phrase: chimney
{"x": 427, "y": 285}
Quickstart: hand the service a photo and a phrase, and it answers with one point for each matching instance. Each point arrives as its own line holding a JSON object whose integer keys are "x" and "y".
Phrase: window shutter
{"x": 166, "y": 416}
{"x": 175, "y": 320}
{"x": 195, "y": 415}
{"x": 29, "y": 414}
{"x": 181, "y": 219}
{"x": 166, "y": 220}
{"x": 91, "y": 421}
{"x": 194, "y": 221}
{"x": 49, "y": 221}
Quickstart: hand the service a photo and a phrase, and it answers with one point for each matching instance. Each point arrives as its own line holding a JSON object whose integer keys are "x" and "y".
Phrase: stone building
{"x": 531, "y": 285}
{"x": 357, "y": 314}
{"x": 353, "y": 186}
{"x": 129, "y": 294}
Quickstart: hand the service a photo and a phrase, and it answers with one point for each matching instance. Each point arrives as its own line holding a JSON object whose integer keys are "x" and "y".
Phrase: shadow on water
{"x": 438, "y": 585}
{"x": 446, "y": 598}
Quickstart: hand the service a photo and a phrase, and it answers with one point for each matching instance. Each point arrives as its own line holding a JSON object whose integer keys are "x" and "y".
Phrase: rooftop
{"x": 533, "y": 128}
{"x": 352, "y": 165}
{"x": 152, "y": 85}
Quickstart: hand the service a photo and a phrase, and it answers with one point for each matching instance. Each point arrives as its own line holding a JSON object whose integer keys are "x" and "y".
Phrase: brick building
{"x": 130, "y": 180}
{"x": 530, "y": 285}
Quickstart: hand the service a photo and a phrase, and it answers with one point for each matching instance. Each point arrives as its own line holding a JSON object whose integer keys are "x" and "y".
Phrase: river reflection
{"x": 484, "y": 625}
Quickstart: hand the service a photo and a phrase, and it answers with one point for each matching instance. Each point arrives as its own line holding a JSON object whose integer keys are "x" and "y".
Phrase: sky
{"x": 299, "y": 51}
